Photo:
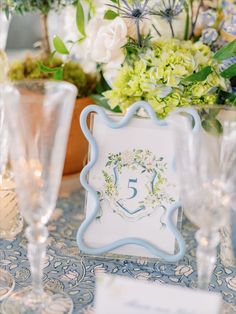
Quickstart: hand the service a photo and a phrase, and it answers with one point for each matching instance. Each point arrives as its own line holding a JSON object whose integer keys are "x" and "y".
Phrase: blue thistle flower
{"x": 136, "y": 11}
{"x": 168, "y": 10}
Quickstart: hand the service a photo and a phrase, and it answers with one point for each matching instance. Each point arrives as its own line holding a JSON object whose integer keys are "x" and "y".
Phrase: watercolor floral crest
{"x": 152, "y": 169}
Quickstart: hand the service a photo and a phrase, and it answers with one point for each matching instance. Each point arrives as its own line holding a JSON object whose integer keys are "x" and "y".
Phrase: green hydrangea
{"x": 157, "y": 74}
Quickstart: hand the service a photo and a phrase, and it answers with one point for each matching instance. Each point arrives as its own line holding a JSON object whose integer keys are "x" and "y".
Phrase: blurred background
{"x": 27, "y": 39}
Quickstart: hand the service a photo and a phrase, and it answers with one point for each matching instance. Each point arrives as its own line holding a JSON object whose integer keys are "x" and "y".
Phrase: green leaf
{"x": 102, "y": 101}
{"x": 226, "y": 52}
{"x": 110, "y": 15}
{"x": 199, "y": 76}
{"x": 187, "y": 21}
{"x": 51, "y": 56}
{"x": 79, "y": 41}
{"x": 58, "y": 75}
{"x": 57, "y": 72}
{"x": 80, "y": 19}
{"x": 60, "y": 46}
{"x": 227, "y": 98}
{"x": 229, "y": 72}
{"x": 212, "y": 126}
{"x": 102, "y": 85}
{"x": 213, "y": 112}
{"x": 45, "y": 69}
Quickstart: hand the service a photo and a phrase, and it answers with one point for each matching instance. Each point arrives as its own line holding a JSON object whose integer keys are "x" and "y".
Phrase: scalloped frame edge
{"x": 94, "y": 152}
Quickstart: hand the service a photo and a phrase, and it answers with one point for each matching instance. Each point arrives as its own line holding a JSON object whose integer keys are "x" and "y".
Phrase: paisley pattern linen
{"x": 66, "y": 269}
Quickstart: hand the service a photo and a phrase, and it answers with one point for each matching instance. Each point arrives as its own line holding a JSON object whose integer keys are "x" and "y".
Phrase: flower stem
{"x": 187, "y": 22}
{"x": 157, "y": 31}
{"x": 138, "y": 33}
{"x": 196, "y": 18}
{"x": 171, "y": 28}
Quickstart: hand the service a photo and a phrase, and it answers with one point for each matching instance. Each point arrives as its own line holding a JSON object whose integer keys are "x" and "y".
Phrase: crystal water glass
{"x": 7, "y": 281}
{"x": 206, "y": 163}
{"x": 39, "y": 115}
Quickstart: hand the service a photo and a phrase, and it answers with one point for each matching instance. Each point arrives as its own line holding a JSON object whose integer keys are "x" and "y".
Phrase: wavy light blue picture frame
{"x": 94, "y": 153}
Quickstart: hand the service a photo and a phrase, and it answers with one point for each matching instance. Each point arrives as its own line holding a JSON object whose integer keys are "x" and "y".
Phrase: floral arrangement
{"x": 163, "y": 76}
{"x": 125, "y": 41}
{"x": 170, "y": 53}
{"x": 113, "y": 24}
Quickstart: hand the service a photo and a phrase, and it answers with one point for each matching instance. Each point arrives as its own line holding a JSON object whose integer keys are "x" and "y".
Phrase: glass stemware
{"x": 206, "y": 164}
{"x": 39, "y": 115}
{"x": 7, "y": 281}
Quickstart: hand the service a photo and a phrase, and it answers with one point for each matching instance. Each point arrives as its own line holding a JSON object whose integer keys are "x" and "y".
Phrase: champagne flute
{"x": 39, "y": 115}
{"x": 206, "y": 162}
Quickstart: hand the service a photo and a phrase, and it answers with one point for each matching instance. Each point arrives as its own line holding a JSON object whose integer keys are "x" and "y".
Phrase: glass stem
{"x": 37, "y": 235}
{"x": 206, "y": 256}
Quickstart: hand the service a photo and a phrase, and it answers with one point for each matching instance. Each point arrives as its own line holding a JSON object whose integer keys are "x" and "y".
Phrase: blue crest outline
{"x": 94, "y": 152}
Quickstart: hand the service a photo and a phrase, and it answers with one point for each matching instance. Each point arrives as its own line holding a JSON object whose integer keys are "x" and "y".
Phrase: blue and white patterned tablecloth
{"x": 65, "y": 269}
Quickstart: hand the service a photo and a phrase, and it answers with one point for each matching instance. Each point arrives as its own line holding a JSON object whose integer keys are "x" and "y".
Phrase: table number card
{"x": 132, "y": 201}
{"x": 116, "y": 295}
{"x": 136, "y": 184}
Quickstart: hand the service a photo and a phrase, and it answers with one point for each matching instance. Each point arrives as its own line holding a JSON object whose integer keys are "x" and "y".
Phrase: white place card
{"x": 121, "y": 295}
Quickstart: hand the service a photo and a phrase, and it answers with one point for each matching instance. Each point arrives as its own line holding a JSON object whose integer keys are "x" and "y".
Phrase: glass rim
{"x": 32, "y": 82}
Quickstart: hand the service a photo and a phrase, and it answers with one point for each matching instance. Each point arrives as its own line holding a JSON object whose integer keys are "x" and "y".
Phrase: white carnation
{"x": 106, "y": 39}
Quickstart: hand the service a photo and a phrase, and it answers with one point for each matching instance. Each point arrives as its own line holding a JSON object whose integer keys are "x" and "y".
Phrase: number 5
{"x": 134, "y": 190}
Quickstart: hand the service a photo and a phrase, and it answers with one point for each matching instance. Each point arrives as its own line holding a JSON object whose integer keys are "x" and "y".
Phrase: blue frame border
{"x": 93, "y": 158}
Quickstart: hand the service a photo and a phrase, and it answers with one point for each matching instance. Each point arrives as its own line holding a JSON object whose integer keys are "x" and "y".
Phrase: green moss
{"x": 73, "y": 73}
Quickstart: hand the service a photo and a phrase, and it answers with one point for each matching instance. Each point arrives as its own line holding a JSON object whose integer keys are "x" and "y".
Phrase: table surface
{"x": 66, "y": 269}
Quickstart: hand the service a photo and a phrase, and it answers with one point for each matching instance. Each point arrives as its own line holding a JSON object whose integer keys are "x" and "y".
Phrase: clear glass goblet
{"x": 7, "y": 281}
{"x": 206, "y": 163}
{"x": 39, "y": 115}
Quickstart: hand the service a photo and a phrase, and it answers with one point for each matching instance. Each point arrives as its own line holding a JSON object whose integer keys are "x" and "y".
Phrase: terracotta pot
{"x": 77, "y": 147}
